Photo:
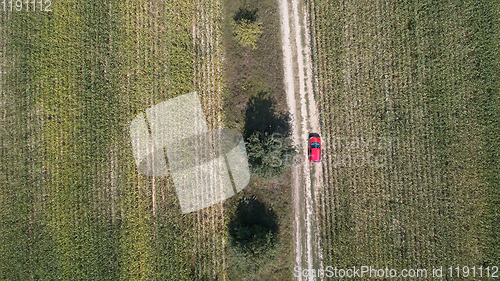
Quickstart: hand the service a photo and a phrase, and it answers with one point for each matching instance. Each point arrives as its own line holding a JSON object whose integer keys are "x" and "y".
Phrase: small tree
{"x": 246, "y": 28}
{"x": 253, "y": 226}
{"x": 269, "y": 155}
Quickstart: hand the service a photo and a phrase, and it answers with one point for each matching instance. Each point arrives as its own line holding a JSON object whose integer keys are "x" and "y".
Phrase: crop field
{"x": 409, "y": 102}
{"x": 72, "y": 204}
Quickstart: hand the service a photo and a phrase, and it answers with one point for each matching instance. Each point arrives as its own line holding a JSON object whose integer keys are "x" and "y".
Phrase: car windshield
{"x": 315, "y": 145}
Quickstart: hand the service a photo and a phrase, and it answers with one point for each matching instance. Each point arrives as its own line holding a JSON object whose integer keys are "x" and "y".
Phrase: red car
{"x": 314, "y": 148}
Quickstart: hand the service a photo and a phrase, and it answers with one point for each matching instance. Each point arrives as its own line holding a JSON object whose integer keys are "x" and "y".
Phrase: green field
{"x": 424, "y": 75}
{"x": 73, "y": 206}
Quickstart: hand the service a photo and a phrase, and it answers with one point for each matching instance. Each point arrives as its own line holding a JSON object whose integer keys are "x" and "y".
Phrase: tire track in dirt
{"x": 307, "y": 217}
{"x": 314, "y": 123}
{"x": 290, "y": 95}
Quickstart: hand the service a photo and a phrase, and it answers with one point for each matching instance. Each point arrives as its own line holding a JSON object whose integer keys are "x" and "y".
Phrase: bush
{"x": 253, "y": 227}
{"x": 246, "y": 28}
{"x": 269, "y": 155}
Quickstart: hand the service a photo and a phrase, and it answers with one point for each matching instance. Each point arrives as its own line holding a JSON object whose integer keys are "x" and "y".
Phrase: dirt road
{"x": 307, "y": 178}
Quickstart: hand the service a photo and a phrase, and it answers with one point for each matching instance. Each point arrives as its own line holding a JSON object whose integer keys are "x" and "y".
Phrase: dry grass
{"x": 254, "y": 97}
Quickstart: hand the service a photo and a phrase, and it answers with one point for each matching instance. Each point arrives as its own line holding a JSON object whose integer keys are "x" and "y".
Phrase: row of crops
{"x": 408, "y": 95}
